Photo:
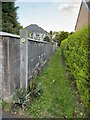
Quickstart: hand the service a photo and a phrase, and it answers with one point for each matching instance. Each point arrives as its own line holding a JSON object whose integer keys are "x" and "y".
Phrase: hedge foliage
{"x": 75, "y": 51}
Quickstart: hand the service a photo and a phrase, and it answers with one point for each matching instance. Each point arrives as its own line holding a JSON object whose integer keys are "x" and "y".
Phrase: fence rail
{"x": 18, "y": 59}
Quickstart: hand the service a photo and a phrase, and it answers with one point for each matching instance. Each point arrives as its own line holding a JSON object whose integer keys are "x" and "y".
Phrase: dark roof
{"x": 36, "y": 29}
{"x": 87, "y": 4}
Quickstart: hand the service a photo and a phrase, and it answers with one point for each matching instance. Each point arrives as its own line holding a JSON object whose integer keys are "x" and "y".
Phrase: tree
{"x": 9, "y": 18}
{"x": 55, "y": 36}
{"x": 61, "y": 36}
{"x": 71, "y": 33}
{"x": 47, "y": 39}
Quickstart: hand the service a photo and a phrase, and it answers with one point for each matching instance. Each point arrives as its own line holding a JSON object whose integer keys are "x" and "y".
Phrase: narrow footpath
{"x": 58, "y": 98}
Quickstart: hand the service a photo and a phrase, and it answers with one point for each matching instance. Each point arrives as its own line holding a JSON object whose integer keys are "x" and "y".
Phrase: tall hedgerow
{"x": 75, "y": 51}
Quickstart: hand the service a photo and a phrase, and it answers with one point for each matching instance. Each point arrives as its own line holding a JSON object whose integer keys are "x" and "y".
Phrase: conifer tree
{"x": 9, "y": 18}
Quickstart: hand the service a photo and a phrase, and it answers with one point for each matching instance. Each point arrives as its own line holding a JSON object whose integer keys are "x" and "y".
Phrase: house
{"x": 84, "y": 15}
{"x": 36, "y": 32}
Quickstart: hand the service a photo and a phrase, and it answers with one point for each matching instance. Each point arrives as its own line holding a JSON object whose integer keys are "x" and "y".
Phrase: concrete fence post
{"x": 23, "y": 58}
{"x": 1, "y": 73}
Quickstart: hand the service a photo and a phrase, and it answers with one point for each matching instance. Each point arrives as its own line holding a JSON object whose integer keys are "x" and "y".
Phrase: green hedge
{"x": 76, "y": 54}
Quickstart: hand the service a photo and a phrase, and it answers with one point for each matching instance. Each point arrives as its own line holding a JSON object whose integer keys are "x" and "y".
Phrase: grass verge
{"x": 58, "y": 99}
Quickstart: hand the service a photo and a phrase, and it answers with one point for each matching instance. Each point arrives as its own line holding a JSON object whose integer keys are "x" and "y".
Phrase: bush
{"x": 22, "y": 97}
{"x": 76, "y": 53}
{"x": 47, "y": 39}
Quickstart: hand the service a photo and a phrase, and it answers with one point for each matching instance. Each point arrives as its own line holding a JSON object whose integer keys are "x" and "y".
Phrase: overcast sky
{"x": 55, "y": 15}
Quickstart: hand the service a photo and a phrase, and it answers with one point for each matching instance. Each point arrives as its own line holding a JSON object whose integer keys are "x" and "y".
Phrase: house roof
{"x": 36, "y": 29}
{"x": 87, "y": 4}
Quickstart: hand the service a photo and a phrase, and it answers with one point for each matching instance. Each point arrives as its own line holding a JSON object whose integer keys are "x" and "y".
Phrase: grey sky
{"x": 55, "y": 15}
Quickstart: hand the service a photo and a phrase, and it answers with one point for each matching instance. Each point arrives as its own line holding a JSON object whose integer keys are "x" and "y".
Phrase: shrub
{"x": 47, "y": 39}
{"x": 22, "y": 97}
{"x": 76, "y": 53}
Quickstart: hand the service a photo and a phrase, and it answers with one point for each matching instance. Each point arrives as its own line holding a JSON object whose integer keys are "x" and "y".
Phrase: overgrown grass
{"x": 58, "y": 98}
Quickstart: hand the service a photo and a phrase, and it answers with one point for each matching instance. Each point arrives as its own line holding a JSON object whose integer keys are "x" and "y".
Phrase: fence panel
{"x": 11, "y": 51}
